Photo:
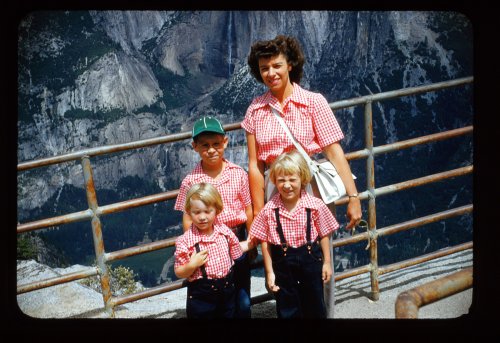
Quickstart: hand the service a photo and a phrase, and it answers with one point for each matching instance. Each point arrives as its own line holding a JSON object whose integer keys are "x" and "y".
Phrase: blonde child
{"x": 210, "y": 142}
{"x": 204, "y": 255}
{"x": 294, "y": 228}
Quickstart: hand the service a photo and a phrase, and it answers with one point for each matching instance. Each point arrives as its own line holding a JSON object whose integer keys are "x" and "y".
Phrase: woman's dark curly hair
{"x": 286, "y": 45}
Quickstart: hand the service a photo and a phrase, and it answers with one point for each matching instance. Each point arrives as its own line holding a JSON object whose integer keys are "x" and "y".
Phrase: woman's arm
{"x": 335, "y": 154}
{"x": 249, "y": 213}
{"x": 255, "y": 175}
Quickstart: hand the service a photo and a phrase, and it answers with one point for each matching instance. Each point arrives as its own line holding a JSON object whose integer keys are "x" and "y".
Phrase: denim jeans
{"x": 242, "y": 280}
{"x": 298, "y": 275}
{"x": 211, "y": 298}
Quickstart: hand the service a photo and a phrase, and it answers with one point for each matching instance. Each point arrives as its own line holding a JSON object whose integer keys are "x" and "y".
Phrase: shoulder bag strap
{"x": 299, "y": 147}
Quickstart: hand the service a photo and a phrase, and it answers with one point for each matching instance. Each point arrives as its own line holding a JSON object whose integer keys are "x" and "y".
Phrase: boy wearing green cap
{"x": 210, "y": 141}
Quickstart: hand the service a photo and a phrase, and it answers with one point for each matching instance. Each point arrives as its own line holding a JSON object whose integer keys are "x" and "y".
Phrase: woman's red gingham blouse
{"x": 307, "y": 115}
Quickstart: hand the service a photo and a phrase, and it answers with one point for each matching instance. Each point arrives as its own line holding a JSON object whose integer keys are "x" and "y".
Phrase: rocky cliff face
{"x": 153, "y": 72}
{"x": 93, "y": 78}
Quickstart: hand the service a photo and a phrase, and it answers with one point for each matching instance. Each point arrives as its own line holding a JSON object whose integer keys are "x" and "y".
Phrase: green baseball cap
{"x": 207, "y": 124}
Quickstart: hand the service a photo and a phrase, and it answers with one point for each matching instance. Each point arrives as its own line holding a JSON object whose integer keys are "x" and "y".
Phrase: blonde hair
{"x": 205, "y": 192}
{"x": 289, "y": 163}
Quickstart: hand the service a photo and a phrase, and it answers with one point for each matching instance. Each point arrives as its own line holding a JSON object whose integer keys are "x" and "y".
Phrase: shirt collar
{"x": 306, "y": 201}
{"x": 194, "y": 235}
{"x": 298, "y": 96}
{"x": 198, "y": 170}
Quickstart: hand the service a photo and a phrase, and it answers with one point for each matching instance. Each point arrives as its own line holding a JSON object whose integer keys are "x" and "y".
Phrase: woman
{"x": 278, "y": 64}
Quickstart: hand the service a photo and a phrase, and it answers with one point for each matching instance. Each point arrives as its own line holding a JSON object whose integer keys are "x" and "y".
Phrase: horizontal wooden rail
{"x": 140, "y": 249}
{"x": 107, "y": 149}
{"x": 425, "y": 258}
{"x": 409, "y": 143}
{"x": 165, "y": 287}
{"x": 405, "y": 263}
{"x": 400, "y": 93}
{"x": 92, "y": 271}
{"x": 389, "y": 230}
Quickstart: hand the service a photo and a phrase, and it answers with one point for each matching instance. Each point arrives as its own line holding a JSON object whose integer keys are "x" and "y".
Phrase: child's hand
{"x": 252, "y": 242}
{"x": 252, "y": 251}
{"x": 270, "y": 279}
{"x": 199, "y": 258}
{"x": 326, "y": 272}
{"x": 245, "y": 246}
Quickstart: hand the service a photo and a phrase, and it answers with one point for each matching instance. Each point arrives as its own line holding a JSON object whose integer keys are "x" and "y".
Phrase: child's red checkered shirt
{"x": 294, "y": 224}
{"x": 222, "y": 245}
{"x": 232, "y": 186}
{"x": 307, "y": 115}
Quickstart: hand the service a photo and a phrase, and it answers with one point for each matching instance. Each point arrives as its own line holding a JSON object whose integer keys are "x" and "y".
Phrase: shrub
{"x": 122, "y": 281}
{"x": 26, "y": 248}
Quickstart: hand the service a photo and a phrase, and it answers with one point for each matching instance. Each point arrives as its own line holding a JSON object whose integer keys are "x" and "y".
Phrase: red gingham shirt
{"x": 232, "y": 186}
{"x": 222, "y": 245}
{"x": 307, "y": 115}
{"x": 293, "y": 224}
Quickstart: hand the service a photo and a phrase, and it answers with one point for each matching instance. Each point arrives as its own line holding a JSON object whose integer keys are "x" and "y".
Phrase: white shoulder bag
{"x": 329, "y": 183}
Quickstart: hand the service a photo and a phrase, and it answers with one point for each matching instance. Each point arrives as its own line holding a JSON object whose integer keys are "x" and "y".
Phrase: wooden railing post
{"x": 372, "y": 212}
{"x": 97, "y": 236}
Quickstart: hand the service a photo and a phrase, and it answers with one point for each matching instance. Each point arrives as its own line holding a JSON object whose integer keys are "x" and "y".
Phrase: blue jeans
{"x": 211, "y": 298}
{"x": 242, "y": 280}
{"x": 298, "y": 275}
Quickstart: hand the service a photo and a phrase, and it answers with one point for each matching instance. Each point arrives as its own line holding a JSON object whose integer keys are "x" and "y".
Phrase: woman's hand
{"x": 353, "y": 212}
